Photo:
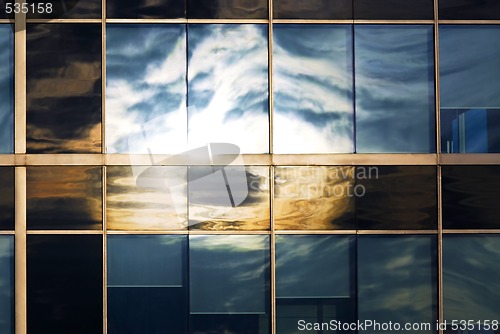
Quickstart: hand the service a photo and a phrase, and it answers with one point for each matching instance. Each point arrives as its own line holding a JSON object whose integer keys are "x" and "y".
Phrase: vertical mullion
{"x": 273, "y": 252}
{"x": 270, "y": 77}
{"x": 20, "y": 83}
{"x": 20, "y": 252}
{"x": 103, "y": 169}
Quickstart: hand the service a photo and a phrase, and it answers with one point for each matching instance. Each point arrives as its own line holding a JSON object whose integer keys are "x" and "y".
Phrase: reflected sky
{"x": 7, "y": 284}
{"x": 471, "y": 277}
{"x": 229, "y": 274}
{"x": 7, "y": 198}
{"x": 146, "y": 88}
{"x": 130, "y": 206}
{"x": 314, "y": 198}
{"x": 469, "y": 79}
{"x": 316, "y": 9}
{"x": 397, "y": 278}
{"x": 63, "y": 73}
{"x": 64, "y": 198}
{"x": 6, "y": 89}
{"x": 228, "y": 85}
{"x": 313, "y": 107}
{"x": 394, "y": 89}
{"x": 227, "y": 9}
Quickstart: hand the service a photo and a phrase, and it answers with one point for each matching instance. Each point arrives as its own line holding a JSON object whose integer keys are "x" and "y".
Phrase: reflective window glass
{"x": 146, "y": 9}
{"x": 469, "y": 10}
{"x": 397, "y": 279}
{"x": 471, "y": 277}
{"x": 396, "y": 197}
{"x": 6, "y": 89}
{"x": 64, "y": 284}
{"x": 394, "y": 76}
{"x": 64, "y": 198}
{"x": 314, "y": 280}
{"x": 7, "y": 284}
{"x": 227, "y": 9}
{"x": 146, "y": 198}
{"x": 471, "y": 196}
{"x": 64, "y": 9}
{"x": 229, "y": 284}
{"x": 394, "y": 9}
{"x": 314, "y": 198}
{"x": 147, "y": 284}
{"x": 313, "y": 89}
{"x": 228, "y": 85}
{"x": 7, "y": 198}
{"x": 63, "y": 74}
{"x": 317, "y": 9}
{"x": 470, "y": 94}
{"x": 146, "y": 88}
{"x": 229, "y": 198}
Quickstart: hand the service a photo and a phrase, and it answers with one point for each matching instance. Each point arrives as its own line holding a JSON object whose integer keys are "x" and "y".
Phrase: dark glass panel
{"x": 227, "y": 9}
{"x": 314, "y": 280}
{"x": 229, "y": 198}
{"x": 147, "y": 287}
{"x": 471, "y": 277}
{"x": 313, "y": 89}
{"x": 394, "y": 9}
{"x": 312, "y": 9}
{"x": 63, "y": 73}
{"x": 64, "y": 9}
{"x": 229, "y": 284}
{"x": 228, "y": 86}
{"x": 6, "y": 89}
{"x": 314, "y": 198}
{"x": 7, "y": 284}
{"x": 64, "y": 284}
{"x": 394, "y": 76}
{"x": 145, "y": 9}
{"x": 396, "y": 197}
{"x": 469, "y": 10}
{"x": 471, "y": 196}
{"x": 397, "y": 279}
{"x": 64, "y": 198}
{"x": 7, "y": 198}
{"x": 146, "y": 89}
{"x": 132, "y": 204}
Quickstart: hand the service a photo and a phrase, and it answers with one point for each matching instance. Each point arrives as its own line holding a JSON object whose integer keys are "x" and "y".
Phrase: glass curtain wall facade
{"x": 263, "y": 166}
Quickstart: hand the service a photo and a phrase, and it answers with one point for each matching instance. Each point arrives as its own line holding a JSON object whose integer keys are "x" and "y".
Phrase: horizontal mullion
{"x": 62, "y": 232}
{"x": 28, "y": 21}
{"x": 469, "y": 22}
{"x": 471, "y": 231}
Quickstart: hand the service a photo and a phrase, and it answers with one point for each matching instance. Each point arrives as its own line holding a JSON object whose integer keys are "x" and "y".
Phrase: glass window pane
{"x": 229, "y": 198}
{"x": 314, "y": 280}
{"x": 471, "y": 277}
{"x": 394, "y": 9}
{"x": 64, "y": 9}
{"x": 64, "y": 284}
{"x": 146, "y": 90}
{"x": 314, "y": 198}
{"x": 396, "y": 197}
{"x": 471, "y": 197}
{"x": 6, "y": 89}
{"x": 227, "y": 9}
{"x": 146, "y": 198}
{"x": 397, "y": 279}
{"x": 307, "y": 9}
{"x": 63, "y": 73}
{"x": 146, "y": 282}
{"x": 313, "y": 89}
{"x": 229, "y": 283}
{"x": 64, "y": 198}
{"x": 394, "y": 89}
{"x": 7, "y": 198}
{"x": 228, "y": 85}
{"x": 146, "y": 9}
{"x": 7, "y": 284}
{"x": 469, "y": 10}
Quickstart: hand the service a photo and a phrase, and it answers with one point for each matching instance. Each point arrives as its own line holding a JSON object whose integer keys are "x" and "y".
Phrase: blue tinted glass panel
{"x": 397, "y": 279}
{"x": 394, "y": 9}
{"x": 7, "y": 198}
{"x": 228, "y": 86}
{"x": 313, "y": 88}
{"x": 469, "y": 10}
{"x": 471, "y": 277}
{"x": 227, "y": 9}
{"x": 229, "y": 283}
{"x": 394, "y": 75}
{"x": 64, "y": 9}
{"x": 6, "y": 89}
{"x": 146, "y": 9}
{"x": 7, "y": 284}
{"x": 307, "y": 9}
{"x": 146, "y": 89}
